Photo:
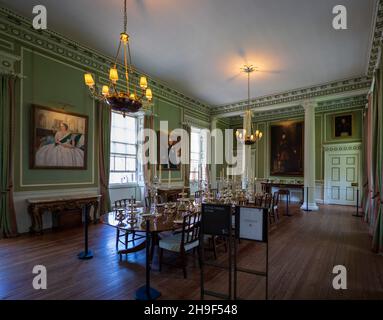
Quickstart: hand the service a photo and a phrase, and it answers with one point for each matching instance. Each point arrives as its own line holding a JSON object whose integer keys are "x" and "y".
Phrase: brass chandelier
{"x": 124, "y": 101}
{"x": 247, "y": 135}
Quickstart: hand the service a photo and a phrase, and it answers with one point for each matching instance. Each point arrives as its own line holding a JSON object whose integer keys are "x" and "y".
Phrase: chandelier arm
{"x": 131, "y": 66}
{"x": 118, "y": 53}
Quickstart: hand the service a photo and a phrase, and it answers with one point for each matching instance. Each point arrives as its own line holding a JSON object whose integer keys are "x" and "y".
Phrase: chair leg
{"x": 225, "y": 244}
{"x": 117, "y": 237}
{"x": 126, "y": 240}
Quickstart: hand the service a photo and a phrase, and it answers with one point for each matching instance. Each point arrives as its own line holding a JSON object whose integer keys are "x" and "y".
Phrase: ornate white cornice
{"x": 376, "y": 38}
{"x": 298, "y": 95}
{"x": 334, "y": 105}
{"x": 7, "y": 62}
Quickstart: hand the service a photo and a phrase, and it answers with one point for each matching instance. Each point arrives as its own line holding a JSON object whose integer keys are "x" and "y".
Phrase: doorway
{"x": 342, "y": 173}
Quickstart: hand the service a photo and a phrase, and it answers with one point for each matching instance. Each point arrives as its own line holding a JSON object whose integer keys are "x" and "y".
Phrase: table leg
{"x": 36, "y": 219}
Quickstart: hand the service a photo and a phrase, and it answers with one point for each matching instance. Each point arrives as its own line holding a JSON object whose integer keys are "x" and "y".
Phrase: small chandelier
{"x": 127, "y": 101}
{"x": 247, "y": 135}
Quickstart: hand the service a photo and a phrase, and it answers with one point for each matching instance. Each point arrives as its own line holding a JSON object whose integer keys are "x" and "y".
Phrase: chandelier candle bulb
{"x": 149, "y": 95}
{"x": 143, "y": 83}
{"x": 113, "y": 75}
{"x": 88, "y": 79}
{"x": 105, "y": 90}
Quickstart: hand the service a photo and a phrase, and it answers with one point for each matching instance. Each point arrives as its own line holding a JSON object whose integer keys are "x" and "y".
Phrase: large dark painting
{"x": 286, "y": 149}
{"x": 164, "y": 158}
{"x": 343, "y": 126}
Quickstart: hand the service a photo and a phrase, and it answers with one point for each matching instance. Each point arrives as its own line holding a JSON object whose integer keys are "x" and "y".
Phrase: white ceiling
{"x": 198, "y": 46}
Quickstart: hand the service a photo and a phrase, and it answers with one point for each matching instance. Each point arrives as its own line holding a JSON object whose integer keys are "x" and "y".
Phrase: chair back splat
{"x": 191, "y": 228}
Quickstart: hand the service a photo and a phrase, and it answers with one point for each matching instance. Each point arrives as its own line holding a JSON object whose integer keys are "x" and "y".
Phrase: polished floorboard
{"x": 303, "y": 249}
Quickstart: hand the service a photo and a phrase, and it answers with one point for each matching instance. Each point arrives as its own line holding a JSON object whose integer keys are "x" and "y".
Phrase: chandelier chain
{"x": 125, "y": 17}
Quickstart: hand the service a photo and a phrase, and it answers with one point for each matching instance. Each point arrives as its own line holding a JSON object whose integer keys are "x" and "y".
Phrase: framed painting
{"x": 342, "y": 126}
{"x": 286, "y": 146}
{"x": 58, "y": 139}
{"x": 165, "y": 152}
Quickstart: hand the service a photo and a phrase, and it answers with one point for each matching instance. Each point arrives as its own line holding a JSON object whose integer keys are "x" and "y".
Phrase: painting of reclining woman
{"x": 59, "y": 139}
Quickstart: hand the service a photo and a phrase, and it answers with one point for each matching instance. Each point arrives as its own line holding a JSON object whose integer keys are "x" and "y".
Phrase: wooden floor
{"x": 303, "y": 251}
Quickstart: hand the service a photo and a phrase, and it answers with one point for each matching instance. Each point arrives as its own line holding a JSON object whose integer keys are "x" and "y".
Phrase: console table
{"x": 37, "y": 207}
{"x": 267, "y": 186}
{"x": 171, "y": 193}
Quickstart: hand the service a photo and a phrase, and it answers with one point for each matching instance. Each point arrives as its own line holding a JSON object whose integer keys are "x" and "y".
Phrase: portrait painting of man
{"x": 286, "y": 147}
{"x": 343, "y": 126}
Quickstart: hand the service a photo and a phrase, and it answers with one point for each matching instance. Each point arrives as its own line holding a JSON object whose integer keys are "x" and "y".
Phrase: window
{"x": 198, "y": 146}
{"x": 123, "y": 149}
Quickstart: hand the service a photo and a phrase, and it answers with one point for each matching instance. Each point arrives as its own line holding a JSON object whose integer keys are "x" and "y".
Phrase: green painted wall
{"x": 166, "y": 111}
{"x": 51, "y": 83}
{"x": 323, "y": 135}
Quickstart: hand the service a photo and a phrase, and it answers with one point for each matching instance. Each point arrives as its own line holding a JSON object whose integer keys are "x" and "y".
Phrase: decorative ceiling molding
{"x": 292, "y": 96}
{"x": 20, "y": 28}
{"x": 355, "y": 102}
{"x": 376, "y": 38}
{"x": 7, "y": 62}
{"x": 343, "y": 104}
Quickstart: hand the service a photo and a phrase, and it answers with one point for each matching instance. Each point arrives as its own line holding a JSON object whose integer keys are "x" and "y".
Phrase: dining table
{"x": 159, "y": 222}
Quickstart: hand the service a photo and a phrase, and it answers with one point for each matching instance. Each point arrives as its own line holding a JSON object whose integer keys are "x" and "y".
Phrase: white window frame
{"x": 137, "y": 172}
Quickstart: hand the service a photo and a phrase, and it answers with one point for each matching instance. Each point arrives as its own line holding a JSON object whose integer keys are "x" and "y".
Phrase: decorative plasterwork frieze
{"x": 342, "y": 147}
{"x": 376, "y": 38}
{"x": 292, "y": 96}
{"x": 7, "y": 62}
{"x": 344, "y": 104}
{"x": 20, "y": 29}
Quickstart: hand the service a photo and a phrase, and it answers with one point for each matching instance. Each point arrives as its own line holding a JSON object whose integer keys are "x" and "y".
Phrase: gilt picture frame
{"x": 59, "y": 139}
{"x": 168, "y": 166}
{"x": 286, "y": 149}
{"x": 343, "y": 126}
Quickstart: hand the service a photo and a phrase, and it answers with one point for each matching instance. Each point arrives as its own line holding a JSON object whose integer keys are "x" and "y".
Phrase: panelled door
{"x": 341, "y": 175}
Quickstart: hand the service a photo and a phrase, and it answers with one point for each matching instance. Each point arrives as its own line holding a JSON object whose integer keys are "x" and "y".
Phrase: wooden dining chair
{"x": 258, "y": 199}
{"x": 273, "y": 211}
{"x": 123, "y": 204}
{"x": 183, "y": 242}
{"x": 198, "y": 194}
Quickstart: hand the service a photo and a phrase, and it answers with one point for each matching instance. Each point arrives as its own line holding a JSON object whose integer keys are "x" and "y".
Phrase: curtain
{"x": 186, "y": 166}
{"x": 372, "y": 156}
{"x": 104, "y": 124}
{"x": 365, "y": 165}
{"x": 377, "y": 241}
{"x": 8, "y": 226}
{"x": 148, "y": 169}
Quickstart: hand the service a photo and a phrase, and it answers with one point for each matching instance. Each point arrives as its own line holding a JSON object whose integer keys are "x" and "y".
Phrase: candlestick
{"x": 160, "y": 177}
{"x": 169, "y": 178}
